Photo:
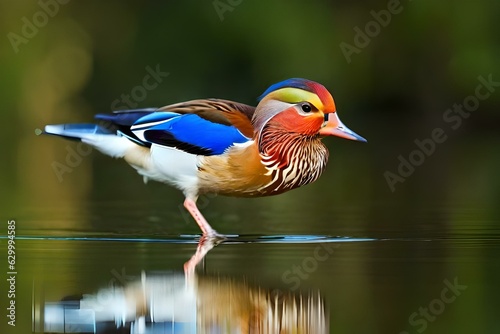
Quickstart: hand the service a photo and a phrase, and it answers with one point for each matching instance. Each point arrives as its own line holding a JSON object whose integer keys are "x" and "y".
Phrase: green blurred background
{"x": 393, "y": 90}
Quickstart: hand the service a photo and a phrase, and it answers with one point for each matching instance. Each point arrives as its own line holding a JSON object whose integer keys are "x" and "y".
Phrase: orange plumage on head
{"x": 292, "y": 122}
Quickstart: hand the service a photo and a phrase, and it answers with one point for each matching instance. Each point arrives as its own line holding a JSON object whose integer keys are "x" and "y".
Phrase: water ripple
{"x": 193, "y": 239}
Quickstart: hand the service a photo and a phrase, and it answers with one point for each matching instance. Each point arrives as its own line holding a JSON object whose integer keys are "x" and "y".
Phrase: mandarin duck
{"x": 220, "y": 146}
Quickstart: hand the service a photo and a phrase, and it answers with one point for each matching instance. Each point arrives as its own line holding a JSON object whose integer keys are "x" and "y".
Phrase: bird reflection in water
{"x": 189, "y": 303}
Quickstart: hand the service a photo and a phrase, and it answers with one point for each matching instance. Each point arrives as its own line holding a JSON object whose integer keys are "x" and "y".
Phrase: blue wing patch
{"x": 187, "y": 132}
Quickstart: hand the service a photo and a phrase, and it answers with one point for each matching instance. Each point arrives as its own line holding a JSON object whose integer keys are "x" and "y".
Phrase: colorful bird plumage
{"x": 220, "y": 146}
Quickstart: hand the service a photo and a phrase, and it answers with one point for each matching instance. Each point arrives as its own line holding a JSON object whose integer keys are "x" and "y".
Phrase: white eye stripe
{"x": 300, "y": 108}
{"x": 301, "y": 113}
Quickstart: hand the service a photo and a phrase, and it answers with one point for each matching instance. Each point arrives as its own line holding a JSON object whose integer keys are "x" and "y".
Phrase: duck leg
{"x": 208, "y": 240}
{"x": 205, "y": 227}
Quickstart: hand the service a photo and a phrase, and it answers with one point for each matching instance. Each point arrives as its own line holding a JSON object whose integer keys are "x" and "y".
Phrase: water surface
{"x": 422, "y": 258}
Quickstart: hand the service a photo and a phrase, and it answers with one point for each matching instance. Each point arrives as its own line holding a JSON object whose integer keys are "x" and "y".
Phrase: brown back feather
{"x": 218, "y": 111}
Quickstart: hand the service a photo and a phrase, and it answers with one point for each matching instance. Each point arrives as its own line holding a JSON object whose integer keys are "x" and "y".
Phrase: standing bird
{"x": 220, "y": 146}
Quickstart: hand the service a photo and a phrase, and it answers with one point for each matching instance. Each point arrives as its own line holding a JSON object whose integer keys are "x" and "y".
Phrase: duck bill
{"x": 334, "y": 127}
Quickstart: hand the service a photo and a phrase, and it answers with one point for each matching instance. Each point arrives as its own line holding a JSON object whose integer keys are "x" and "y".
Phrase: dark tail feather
{"x": 121, "y": 121}
{"x": 125, "y": 117}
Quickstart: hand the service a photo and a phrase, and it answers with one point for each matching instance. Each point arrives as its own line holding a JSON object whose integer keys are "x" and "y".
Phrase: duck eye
{"x": 306, "y": 107}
